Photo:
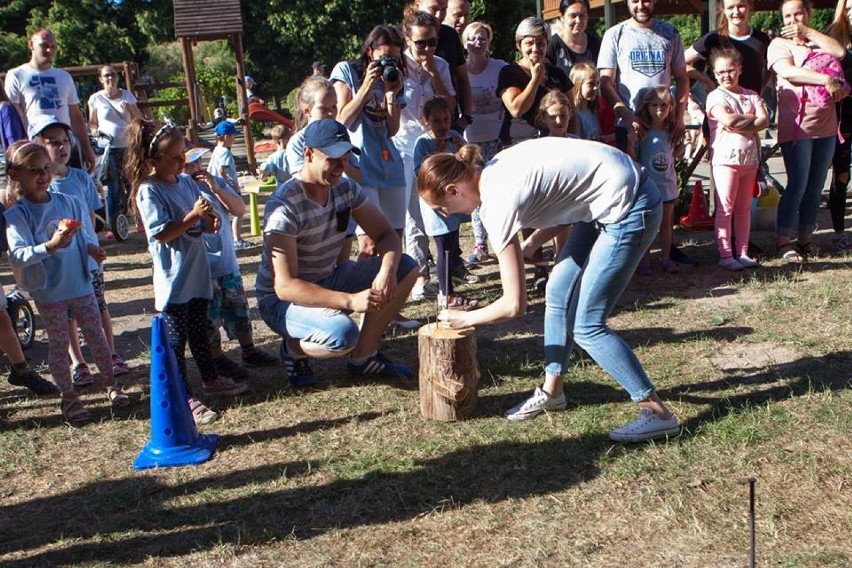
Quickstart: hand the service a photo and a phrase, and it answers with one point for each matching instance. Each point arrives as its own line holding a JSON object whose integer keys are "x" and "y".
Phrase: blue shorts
{"x": 329, "y": 328}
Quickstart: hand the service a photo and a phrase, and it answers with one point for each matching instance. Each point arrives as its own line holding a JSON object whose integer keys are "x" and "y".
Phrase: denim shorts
{"x": 329, "y": 328}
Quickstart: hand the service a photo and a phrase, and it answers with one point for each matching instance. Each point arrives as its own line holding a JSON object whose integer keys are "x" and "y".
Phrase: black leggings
{"x": 447, "y": 243}
{"x": 840, "y": 179}
{"x": 189, "y": 322}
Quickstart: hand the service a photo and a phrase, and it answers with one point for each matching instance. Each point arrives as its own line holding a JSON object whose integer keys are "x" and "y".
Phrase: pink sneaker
{"x": 223, "y": 386}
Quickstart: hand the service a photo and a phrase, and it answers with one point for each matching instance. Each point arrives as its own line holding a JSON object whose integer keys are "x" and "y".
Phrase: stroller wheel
{"x": 121, "y": 227}
{"x": 23, "y": 319}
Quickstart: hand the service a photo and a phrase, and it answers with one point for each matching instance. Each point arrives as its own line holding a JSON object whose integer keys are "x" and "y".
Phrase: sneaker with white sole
{"x": 423, "y": 291}
{"x": 299, "y": 371}
{"x": 223, "y": 386}
{"x": 730, "y": 263}
{"x": 539, "y": 402}
{"x": 648, "y": 426}
{"x": 379, "y": 366}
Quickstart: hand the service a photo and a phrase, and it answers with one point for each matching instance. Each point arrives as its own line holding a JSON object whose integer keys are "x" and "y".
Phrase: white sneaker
{"x": 539, "y": 402}
{"x": 747, "y": 262}
{"x": 423, "y": 291}
{"x": 647, "y": 427}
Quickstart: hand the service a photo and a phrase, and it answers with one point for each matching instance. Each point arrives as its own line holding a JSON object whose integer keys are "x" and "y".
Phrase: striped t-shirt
{"x": 319, "y": 229}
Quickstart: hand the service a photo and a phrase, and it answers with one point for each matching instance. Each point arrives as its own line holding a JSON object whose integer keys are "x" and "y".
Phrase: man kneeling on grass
{"x": 301, "y": 294}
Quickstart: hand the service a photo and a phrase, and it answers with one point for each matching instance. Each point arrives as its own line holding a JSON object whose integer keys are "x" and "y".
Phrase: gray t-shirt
{"x": 642, "y": 57}
{"x": 316, "y": 228}
{"x": 549, "y": 181}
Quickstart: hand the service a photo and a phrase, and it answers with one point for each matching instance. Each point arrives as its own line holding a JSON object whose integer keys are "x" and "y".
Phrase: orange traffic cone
{"x": 698, "y": 217}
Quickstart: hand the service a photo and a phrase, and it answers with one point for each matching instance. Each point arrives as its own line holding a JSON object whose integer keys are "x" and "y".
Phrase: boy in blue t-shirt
{"x": 277, "y": 164}
{"x": 50, "y": 132}
{"x": 222, "y": 165}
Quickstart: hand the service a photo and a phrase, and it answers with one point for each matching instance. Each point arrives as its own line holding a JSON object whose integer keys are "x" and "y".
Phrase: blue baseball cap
{"x": 42, "y": 122}
{"x": 329, "y": 137}
{"x": 225, "y": 127}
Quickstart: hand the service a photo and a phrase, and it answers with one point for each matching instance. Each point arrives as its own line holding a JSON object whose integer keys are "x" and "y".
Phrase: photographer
{"x": 369, "y": 102}
{"x": 427, "y": 75}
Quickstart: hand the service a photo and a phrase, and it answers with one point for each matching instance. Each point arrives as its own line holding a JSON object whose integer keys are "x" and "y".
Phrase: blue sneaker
{"x": 380, "y": 366}
{"x": 299, "y": 371}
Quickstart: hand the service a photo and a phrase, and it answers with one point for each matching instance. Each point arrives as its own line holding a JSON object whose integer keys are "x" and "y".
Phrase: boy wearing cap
{"x": 222, "y": 165}
{"x": 50, "y": 132}
{"x": 303, "y": 295}
{"x": 229, "y": 307}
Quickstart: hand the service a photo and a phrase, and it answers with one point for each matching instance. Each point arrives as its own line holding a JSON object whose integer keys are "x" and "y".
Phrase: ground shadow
{"x": 481, "y": 473}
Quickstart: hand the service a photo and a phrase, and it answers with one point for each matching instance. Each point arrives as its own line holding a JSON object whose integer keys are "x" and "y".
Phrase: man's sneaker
{"x": 380, "y": 366}
{"x": 539, "y": 402}
{"x": 647, "y": 427}
{"x": 681, "y": 257}
{"x": 119, "y": 367}
{"x": 424, "y": 291}
{"x": 224, "y": 386}
{"x": 478, "y": 254}
{"x": 462, "y": 276}
{"x": 201, "y": 414}
{"x": 242, "y": 244}
{"x": 299, "y": 371}
{"x": 32, "y": 381}
{"x": 227, "y": 368}
{"x": 81, "y": 377}
{"x": 254, "y": 357}
{"x": 540, "y": 278}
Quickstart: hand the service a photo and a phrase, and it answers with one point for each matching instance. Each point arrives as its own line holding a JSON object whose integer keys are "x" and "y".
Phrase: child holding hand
{"x": 49, "y": 249}
{"x": 736, "y": 116}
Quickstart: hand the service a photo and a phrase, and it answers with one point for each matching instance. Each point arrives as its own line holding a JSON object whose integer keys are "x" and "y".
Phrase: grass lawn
{"x": 758, "y": 366}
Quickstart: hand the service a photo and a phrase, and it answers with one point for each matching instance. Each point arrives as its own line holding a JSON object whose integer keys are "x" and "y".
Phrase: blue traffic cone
{"x": 174, "y": 438}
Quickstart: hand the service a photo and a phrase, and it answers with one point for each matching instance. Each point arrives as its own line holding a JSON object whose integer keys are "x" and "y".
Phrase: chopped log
{"x": 449, "y": 372}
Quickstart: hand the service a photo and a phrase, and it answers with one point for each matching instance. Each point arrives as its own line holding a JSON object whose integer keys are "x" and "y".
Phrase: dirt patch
{"x": 736, "y": 356}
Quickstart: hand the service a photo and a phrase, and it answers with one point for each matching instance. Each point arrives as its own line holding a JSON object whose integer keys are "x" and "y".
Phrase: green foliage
{"x": 503, "y": 16}
{"x": 689, "y": 26}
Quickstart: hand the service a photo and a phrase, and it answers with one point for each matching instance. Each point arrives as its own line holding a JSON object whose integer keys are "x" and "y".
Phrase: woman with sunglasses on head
{"x": 426, "y": 75}
{"x": 110, "y": 112}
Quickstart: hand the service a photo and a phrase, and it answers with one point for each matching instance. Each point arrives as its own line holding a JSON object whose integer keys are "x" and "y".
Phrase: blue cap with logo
{"x": 42, "y": 122}
{"x": 225, "y": 127}
{"x": 329, "y": 137}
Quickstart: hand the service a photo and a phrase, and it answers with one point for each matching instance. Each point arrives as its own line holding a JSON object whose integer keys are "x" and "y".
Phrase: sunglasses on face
{"x": 424, "y": 43}
{"x": 110, "y": 74}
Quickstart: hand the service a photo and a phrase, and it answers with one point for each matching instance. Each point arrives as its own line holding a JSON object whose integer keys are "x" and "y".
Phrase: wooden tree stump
{"x": 449, "y": 372}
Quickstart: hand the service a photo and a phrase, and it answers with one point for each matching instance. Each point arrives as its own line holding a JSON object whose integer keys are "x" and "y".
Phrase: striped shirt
{"x": 319, "y": 230}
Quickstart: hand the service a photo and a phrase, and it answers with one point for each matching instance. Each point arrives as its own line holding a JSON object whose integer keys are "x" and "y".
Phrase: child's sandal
{"x": 808, "y": 249}
{"x": 460, "y": 302}
{"x": 74, "y": 411}
{"x": 117, "y": 398}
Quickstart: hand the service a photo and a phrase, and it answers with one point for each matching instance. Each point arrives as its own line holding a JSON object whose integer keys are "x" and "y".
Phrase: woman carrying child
{"x": 736, "y": 116}
{"x": 50, "y": 251}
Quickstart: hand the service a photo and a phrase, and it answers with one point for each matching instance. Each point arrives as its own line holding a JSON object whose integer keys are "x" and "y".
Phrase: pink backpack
{"x": 817, "y": 95}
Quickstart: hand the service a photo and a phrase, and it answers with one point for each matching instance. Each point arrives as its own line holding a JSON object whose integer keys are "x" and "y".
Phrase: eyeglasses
{"x": 424, "y": 43}
{"x": 477, "y": 39}
{"x": 111, "y": 74}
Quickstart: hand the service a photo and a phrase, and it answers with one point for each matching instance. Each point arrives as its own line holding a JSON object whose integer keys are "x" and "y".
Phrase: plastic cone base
{"x": 698, "y": 217}
{"x": 174, "y": 439}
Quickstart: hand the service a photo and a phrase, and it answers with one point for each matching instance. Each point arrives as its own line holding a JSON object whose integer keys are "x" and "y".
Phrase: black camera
{"x": 390, "y": 72}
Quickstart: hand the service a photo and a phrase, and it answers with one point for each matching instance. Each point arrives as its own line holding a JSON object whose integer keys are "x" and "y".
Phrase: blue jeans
{"x": 592, "y": 271}
{"x": 806, "y": 162}
{"x": 333, "y": 330}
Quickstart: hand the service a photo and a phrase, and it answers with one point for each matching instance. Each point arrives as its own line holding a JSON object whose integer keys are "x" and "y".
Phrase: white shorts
{"x": 392, "y": 201}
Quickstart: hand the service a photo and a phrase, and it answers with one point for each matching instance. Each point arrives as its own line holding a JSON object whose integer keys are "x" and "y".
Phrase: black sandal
{"x": 808, "y": 249}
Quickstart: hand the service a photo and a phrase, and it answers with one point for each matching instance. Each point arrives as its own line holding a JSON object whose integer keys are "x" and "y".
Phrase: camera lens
{"x": 390, "y": 73}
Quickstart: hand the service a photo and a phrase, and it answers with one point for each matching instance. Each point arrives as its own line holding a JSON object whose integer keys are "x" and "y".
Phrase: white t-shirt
{"x": 112, "y": 118}
{"x": 418, "y": 89}
{"x": 486, "y": 107}
{"x": 42, "y": 92}
{"x": 549, "y": 181}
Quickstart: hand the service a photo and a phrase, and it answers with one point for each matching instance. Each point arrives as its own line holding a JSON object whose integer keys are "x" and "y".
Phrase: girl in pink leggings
{"x": 736, "y": 116}
{"x": 48, "y": 250}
